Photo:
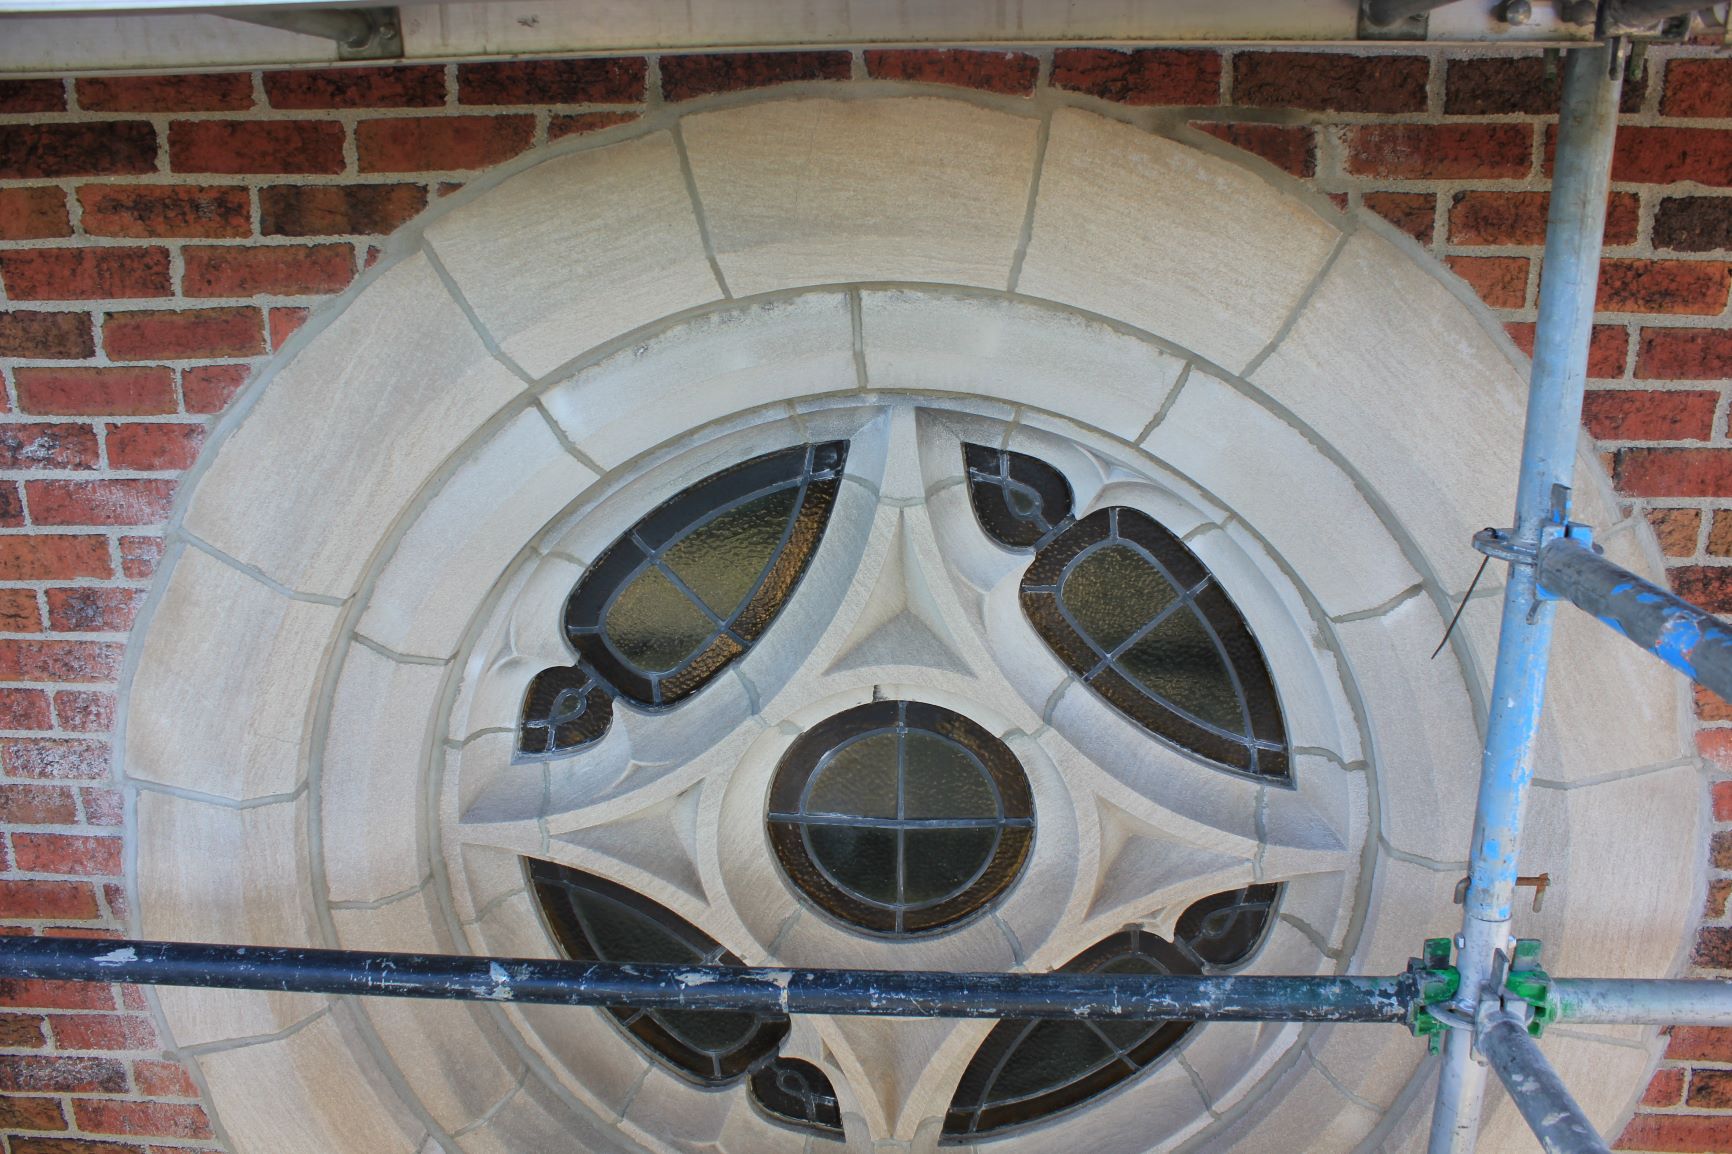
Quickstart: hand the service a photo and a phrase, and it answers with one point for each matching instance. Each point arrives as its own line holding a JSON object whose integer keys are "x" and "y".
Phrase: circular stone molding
{"x": 370, "y": 565}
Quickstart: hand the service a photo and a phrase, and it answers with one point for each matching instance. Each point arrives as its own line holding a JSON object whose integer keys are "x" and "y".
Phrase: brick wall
{"x": 158, "y": 237}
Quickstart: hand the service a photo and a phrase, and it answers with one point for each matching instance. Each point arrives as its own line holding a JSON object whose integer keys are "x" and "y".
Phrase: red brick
{"x": 190, "y": 333}
{"x": 1693, "y": 223}
{"x": 154, "y": 1119}
{"x": 1146, "y": 76}
{"x": 1330, "y": 81}
{"x": 594, "y": 80}
{"x": 46, "y": 557}
{"x": 1008, "y": 73}
{"x": 1648, "y": 155}
{"x": 21, "y": 1113}
{"x": 1487, "y": 217}
{"x": 1686, "y": 1133}
{"x": 561, "y": 125}
{"x": 1709, "y": 707}
{"x": 182, "y": 92}
{"x": 283, "y": 323}
{"x": 1719, "y": 889}
{"x": 1643, "y": 415}
{"x": 685, "y": 77}
{"x": 75, "y": 274}
{"x": 278, "y": 270}
{"x": 22, "y": 1031}
{"x": 101, "y": 806}
{"x": 166, "y": 210}
{"x": 1696, "y": 287}
{"x": 84, "y": 711}
{"x": 44, "y": 901}
{"x": 163, "y": 1079}
{"x": 96, "y": 392}
{"x": 58, "y": 853}
{"x": 412, "y": 86}
{"x": 422, "y": 143}
{"x": 1700, "y": 1044}
{"x": 339, "y": 210}
{"x": 1713, "y": 947}
{"x": 40, "y": 446}
{"x": 74, "y": 1146}
{"x": 1674, "y": 472}
{"x": 103, "y": 1031}
{"x": 1699, "y": 88}
{"x": 1722, "y": 795}
{"x": 154, "y": 447}
{"x": 1677, "y": 530}
{"x": 1666, "y": 1089}
{"x": 209, "y": 388}
{"x": 1290, "y": 147}
{"x": 1440, "y": 151}
{"x": 56, "y": 759}
{"x": 1709, "y": 586}
{"x": 86, "y": 148}
{"x": 46, "y": 336}
{"x": 1683, "y": 354}
{"x": 1412, "y": 212}
{"x": 139, "y": 555}
{"x": 244, "y": 146}
{"x": 46, "y": 95}
{"x": 1607, "y": 347}
{"x": 125, "y": 501}
{"x": 1502, "y": 85}
{"x": 1500, "y": 281}
{"x": 33, "y": 213}
{"x": 92, "y": 609}
{"x": 25, "y": 709}
{"x": 38, "y": 805}
{"x": 11, "y": 517}
{"x": 55, "y": 995}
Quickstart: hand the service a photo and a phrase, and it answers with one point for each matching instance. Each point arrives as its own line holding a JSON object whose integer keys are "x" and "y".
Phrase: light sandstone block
{"x": 1382, "y": 335}
{"x": 210, "y": 873}
{"x": 348, "y": 431}
{"x": 578, "y": 250}
{"x": 450, "y": 1054}
{"x": 1191, "y": 247}
{"x": 1313, "y": 1114}
{"x": 534, "y": 1119}
{"x": 1271, "y": 476}
{"x": 375, "y": 774}
{"x": 224, "y": 688}
{"x": 705, "y": 369}
{"x": 824, "y": 191}
{"x": 1426, "y": 743}
{"x": 305, "y": 1092}
{"x": 489, "y": 509}
{"x": 1017, "y": 352}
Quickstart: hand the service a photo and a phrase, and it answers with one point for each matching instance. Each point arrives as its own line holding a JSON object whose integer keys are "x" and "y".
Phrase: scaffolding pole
{"x": 1551, "y": 1111}
{"x": 1576, "y": 222}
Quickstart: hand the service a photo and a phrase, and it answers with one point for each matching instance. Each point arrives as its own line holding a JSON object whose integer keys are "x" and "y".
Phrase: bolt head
{"x": 1518, "y": 12}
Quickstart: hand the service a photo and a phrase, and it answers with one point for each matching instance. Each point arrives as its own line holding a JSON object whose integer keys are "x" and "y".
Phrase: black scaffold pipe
{"x": 1552, "y": 1113}
{"x": 1683, "y": 636}
{"x": 887, "y": 993}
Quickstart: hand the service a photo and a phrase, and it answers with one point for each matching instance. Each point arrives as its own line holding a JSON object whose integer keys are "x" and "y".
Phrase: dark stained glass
{"x": 594, "y": 920}
{"x": 900, "y": 817}
{"x": 1020, "y": 500}
{"x": 790, "y": 1090}
{"x": 685, "y": 591}
{"x": 1026, "y": 1071}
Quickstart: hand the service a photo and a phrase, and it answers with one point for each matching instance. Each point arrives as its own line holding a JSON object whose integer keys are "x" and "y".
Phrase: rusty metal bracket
{"x": 1539, "y": 883}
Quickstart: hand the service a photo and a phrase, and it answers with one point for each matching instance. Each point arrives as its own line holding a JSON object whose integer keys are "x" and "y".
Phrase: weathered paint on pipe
{"x": 1575, "y": 224}
{"x": 1551, "y": 1112}
{"x": 1689, "y": 639}
{"x": 1384, "y": 13}
{"x": 889, "y": 993}
{"x": 1649, "y": 1001}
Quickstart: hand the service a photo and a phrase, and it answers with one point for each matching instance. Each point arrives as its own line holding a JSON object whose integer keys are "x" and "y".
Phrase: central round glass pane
{"x": 900, "y": 817}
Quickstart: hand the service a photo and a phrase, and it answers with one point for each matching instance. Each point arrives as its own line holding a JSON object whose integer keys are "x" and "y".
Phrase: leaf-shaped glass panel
{"x": 594, "y": 920}
{"x": 791, "y": 1090}
{"x": 1028, "y": 1070}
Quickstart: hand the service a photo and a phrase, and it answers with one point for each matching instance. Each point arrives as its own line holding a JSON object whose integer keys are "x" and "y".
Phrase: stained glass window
{"x": 900, "y": 817}
{"x": 1028, "y": 1070}
{"x": 1135, "y": 615}
{"x": 790, "y": 1090}
{"x": 594, "y": 920}
{"x": 685, "y": 591}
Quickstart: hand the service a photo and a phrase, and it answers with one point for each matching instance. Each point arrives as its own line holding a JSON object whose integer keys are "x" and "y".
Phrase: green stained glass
{"x": 863, "y": 860}
{"x": 859, "y": 780}
{"x": 940, "y": 862}
{"x": 1113, "y": 592}
{"x": 944, "y": 781}
{"x": 723, "y": 558}
{"x": 1052, "y": 1053}
{"x": 654, "y": 625}
{"x": 1180, "y": 662}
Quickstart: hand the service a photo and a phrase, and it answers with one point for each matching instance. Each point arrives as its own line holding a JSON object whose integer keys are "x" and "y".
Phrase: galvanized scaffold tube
{"x": 1649, "y": 1001}
{"x": 1574, "y": 227}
